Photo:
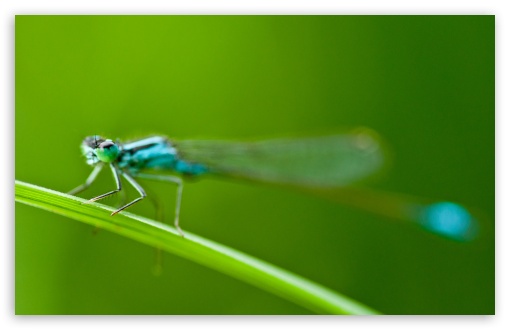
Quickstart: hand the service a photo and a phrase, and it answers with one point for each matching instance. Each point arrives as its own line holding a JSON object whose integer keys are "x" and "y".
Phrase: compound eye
{"x": 106, "y": 144}
{"x": 107, "y": 151}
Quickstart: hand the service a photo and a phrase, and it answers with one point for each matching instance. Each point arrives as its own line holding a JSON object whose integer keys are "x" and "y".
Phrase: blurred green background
{"x": 425, "y": 83}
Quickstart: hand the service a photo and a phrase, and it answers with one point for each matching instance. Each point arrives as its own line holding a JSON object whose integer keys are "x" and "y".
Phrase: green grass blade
{"x": 239, "y": 265}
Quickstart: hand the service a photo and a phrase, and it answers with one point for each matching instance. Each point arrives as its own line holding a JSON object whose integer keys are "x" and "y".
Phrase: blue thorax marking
{"x": 155, "y": 153}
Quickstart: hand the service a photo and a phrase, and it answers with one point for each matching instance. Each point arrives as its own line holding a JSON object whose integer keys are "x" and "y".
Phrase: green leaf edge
{"x": 241, "y": 266}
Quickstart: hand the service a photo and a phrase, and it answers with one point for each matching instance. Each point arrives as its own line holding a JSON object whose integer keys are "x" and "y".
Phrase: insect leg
{"x": 137, "y": 187}
{"x": 156, "y": 202}
{"x": 122, "y": 198}
{"x": 172, "y": 179}
{"x": 157, "y": 268}
{"x": 117, "y": 181}
{"x": 89, "y": 180}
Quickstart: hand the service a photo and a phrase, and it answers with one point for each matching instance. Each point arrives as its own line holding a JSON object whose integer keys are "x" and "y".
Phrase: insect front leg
{"x": 137, "y": 187}
{"x": 117, "y": 181}
{"x": 173, "y": 179}
{"x": 91, "y": 178}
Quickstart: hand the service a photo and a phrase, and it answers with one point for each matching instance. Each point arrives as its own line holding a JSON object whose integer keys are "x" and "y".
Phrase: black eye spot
{"x": 93, "y": 141}
{"x": 106, "y": 145}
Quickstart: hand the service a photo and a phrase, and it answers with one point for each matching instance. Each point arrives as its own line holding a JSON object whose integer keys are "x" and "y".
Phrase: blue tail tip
{"x": 451, "y": 220}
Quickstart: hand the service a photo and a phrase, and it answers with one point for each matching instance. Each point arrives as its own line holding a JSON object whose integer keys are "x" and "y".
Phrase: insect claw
{"x": 180, "y": 231}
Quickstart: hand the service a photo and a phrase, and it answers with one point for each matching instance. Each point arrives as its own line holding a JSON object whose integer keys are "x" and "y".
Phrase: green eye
{"x": 107, "y": 151}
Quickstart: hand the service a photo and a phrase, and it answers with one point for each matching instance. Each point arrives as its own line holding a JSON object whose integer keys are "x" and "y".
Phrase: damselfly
{"x": 323, "y": 164}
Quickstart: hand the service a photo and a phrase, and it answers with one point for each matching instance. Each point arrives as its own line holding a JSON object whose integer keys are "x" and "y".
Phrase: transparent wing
{"x": 328, "y": 166}
{"x": 321, "y": 161}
